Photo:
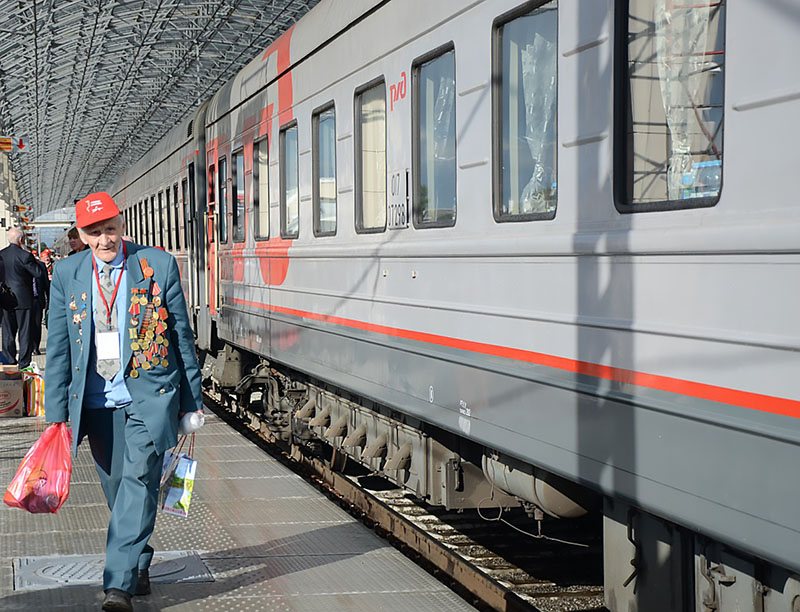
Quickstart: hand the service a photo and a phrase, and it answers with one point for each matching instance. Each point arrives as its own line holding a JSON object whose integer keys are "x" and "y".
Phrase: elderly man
{"x": 21, "y": 270}
{"x": 121, "y": 366}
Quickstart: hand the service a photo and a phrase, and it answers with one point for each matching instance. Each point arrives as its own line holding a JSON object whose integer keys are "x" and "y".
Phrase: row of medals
{"x": 149, "y": 342}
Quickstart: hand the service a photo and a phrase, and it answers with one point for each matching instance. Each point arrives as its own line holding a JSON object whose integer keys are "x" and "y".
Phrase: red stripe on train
{"x": 745, "y": 399}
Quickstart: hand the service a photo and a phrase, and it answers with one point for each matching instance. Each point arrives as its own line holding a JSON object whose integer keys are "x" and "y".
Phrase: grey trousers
{"x": 130, "y": 471}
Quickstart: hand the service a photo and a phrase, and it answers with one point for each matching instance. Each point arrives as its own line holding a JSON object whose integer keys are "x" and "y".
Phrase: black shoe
{"x": 117, "y": 601}
{"x": 143, "y": 583}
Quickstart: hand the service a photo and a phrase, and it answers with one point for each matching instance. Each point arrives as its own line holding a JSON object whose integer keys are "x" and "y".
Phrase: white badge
{"x": 107, "y": 345}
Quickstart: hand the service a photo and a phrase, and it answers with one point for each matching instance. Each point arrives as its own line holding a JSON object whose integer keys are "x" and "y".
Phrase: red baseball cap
{"x": 94, "y": 208}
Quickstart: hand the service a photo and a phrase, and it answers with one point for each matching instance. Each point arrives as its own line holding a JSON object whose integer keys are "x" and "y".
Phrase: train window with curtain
{"x": 222, "y": 203}
{"x": 260, "y": 189}
{"x": 324, "y": 170}
{"x": 290, "y": 198}
{"x": 176, "y": 216}
{"x": 670, "y": 123}
{"x": 168, "y": 220}
{"x": 434, "y": 145}
{"x": 525, "y": 101}
{"x": 370, "y": 166}
{"x": 238, "y": 208}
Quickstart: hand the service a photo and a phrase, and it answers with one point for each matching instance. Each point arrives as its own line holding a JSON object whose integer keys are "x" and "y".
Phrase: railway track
{"x": 498, "y": 560}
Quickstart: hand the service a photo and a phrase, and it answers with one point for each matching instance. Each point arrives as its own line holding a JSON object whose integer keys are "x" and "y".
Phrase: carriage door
{"x": 188, "y": 239}
{"x": 212, "y": 234}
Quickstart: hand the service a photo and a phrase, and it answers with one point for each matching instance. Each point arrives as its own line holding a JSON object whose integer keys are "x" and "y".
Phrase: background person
{"x": 41, "y": 294}
{"x": 75, "y": 243}
{"x": 122, "y": 376}
{"x": 47, "y": 260}
{"x": 21, "y": 268}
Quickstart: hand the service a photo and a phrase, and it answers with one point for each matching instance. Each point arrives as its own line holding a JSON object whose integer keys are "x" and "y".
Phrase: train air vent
{"x": 323, "y": 419}
{"x": 190, "y": 129}
{"x": 307, "y": 411}
{"x": 356, "y": 439}
{"x": 401, "y": 460}
{"x": 338, "y": 429}
{"x": 376, "y": 448}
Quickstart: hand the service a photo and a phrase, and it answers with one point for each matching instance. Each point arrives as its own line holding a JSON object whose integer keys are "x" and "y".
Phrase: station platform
{"x": 258, "y": 537}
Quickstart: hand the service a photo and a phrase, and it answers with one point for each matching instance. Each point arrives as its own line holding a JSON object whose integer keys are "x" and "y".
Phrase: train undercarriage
{"x": 650, "y": 564}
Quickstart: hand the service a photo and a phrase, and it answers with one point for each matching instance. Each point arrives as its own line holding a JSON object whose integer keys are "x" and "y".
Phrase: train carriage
{"x": 543, "y": 247}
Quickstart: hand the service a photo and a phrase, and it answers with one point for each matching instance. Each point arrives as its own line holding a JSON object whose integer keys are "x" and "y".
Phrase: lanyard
{"x": 116, "y": 288}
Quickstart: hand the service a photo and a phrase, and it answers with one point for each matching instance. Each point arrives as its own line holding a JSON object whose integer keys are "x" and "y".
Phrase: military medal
{"x": 73, "y": 305}
{"x": 134, "y": 373}
{"x": 76, "y": 318}
{"x": 83, "y": 296}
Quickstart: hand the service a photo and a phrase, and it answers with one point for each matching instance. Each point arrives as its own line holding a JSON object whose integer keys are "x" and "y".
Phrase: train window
{"x": 168, "y": 220}
{"x": 190, "y": 212}
{"x": 260, "y": 191}
{"x": 177, "y": 214}
{"x": 185, "y": 226}
{"x": 141, "y": 217}
{"x": 524, "y": 103}
{"x": 222, "y": 209}
{"x": 212, "y": 196}
{"x": 151, "y": 221}
{"x": 370, "y": 164}
{"x": 324, "y": 169}
{"x": 238, "y": 208}
{"x": 670, "y": 124}
{"x": 290, "y": 199}
{"x": 434, "y": 84}
{"x": 160, "y": 221}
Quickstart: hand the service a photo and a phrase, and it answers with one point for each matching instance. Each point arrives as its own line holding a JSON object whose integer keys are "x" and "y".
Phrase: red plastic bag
{"x": 41, "y": 483}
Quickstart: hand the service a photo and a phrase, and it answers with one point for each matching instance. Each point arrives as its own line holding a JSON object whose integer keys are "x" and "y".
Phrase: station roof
{"x": 91, "y": 85}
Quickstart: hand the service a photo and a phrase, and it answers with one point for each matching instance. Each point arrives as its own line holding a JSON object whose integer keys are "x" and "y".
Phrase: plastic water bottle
{"x": 191, "y": 422}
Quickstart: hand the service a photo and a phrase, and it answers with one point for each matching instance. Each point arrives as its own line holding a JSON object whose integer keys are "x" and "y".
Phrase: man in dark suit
{"x": 41, "y": 293}
{"x": 21, "y": 269}
{"x": 121, "y": 366}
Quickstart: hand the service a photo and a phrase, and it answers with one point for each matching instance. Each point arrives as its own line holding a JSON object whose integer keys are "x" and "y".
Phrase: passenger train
{"x": 540, "y": 252}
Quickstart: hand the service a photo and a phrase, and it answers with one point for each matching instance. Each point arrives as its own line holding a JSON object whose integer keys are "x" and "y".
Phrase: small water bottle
{"x": 191, "y": 422}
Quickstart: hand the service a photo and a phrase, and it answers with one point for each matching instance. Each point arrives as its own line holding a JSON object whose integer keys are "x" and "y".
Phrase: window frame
{"x": 357, "y": 151}
{"x": 142, "y": 219}
{"x": 497, "y": 113}
{"x": 282, "y": 161}
{"x": 416, "y": 187}
{"x": 238, "y": 231}
{"x": 177, "y": 216}
{"x": 315, "y": 201}
{"x": 167, "y": 229}
{"x": 622, "y": 141}
{"x": 256, "y": 189}
{"x": 184, "y": 204}
{"x": 222, "y": 200}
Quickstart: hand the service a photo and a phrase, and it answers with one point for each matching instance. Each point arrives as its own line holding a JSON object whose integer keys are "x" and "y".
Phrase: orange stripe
{"x": 724, "y": 395}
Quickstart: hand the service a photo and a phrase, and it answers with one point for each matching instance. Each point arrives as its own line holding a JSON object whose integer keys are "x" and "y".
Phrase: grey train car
{"x": 491, "y": 246}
